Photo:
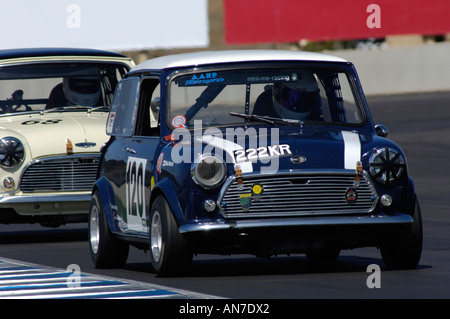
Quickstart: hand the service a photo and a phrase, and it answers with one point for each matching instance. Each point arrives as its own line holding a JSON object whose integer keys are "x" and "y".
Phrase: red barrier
{"x": 265, "y": 21}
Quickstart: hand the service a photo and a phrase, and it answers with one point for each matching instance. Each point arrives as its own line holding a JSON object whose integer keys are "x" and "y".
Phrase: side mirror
{"x": 381, "y": 130}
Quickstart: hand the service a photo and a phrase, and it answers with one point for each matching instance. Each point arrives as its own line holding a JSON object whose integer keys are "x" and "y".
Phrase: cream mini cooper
{"x": 53, "y": 109}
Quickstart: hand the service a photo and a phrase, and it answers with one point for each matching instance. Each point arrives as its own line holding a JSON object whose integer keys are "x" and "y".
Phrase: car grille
{"x": 62, "y": 174}
{"x": 297, "y": 195}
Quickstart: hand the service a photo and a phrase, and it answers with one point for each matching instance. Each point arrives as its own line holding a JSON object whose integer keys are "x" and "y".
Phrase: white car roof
{"x": 229, "y": 56}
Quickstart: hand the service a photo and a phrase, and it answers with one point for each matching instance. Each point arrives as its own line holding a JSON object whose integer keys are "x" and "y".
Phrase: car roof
{"x": 44, "y": 52}
{"x": 33, "y": 55}
{"x": 230, "y": 56}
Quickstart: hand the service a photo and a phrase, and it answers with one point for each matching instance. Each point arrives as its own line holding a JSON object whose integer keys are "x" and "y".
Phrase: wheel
{"x": 403, "y": 251}
{"x": 106, "y": 250}
{"x": 170, "y": 254}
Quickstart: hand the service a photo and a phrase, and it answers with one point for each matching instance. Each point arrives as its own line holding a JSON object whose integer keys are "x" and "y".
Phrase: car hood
{"x": 332, "y": 149}
{"x": 47, "y": 134}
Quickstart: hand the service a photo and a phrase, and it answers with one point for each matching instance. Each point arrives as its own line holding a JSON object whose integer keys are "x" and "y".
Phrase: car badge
{"x": 69, "y": 147}
{"x": 257, "y": 191}
{"x": 359, "y": 172}
{"x": 85, "y": 144}
{"x": 239, "y": 178}
{"x": 298, "y": 159}
{"x": 246, "y": 201}
{"x": 351, "y": 195}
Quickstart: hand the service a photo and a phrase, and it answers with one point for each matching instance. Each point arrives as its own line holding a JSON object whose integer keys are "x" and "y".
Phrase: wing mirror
{"x": 381, "y": 130}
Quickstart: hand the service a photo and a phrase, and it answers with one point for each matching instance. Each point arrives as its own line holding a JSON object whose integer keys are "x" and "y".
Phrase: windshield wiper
{"x": 268, "y": 119}
{"x": 290, "y": 122}
{"x": 95, "y": 108}
{"x": 253, "y": 117}
{"x": 73, "y": 107}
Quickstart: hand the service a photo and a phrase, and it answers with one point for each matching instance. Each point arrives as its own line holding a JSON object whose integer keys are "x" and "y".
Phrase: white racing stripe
{"x": 352, "y": 149}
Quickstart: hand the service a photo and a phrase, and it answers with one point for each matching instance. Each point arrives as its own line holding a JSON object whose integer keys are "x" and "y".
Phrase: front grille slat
{"x": 62, "y": 174}
{"x": 298, "y": 195}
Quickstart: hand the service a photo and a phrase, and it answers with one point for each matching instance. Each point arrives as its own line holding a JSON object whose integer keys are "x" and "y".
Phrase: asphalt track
{"x": 420, "y": 123}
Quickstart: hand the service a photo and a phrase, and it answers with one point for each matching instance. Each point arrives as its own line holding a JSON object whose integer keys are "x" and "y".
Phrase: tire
{"x": 170, "y": 254}
{"x": 106, "y": 250}
{"x": 403, "y": 250}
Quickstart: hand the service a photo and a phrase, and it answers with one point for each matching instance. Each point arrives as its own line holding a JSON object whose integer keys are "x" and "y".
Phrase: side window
{"x": 149, "y": 104}
{"x": 122, "y": 117}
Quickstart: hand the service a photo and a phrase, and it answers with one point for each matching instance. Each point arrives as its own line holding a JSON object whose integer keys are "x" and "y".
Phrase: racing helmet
{"x": 84, "y": 91}
{"x": 297, "y": 99}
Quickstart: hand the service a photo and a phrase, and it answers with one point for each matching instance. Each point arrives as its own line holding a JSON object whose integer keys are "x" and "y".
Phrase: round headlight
{"x": 208, "y": 171}
{"x": 12, "y": 152}
{"x": 387, "y": 165}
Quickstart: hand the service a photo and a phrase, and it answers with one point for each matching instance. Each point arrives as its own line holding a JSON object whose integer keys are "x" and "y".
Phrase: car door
{"x": 141, "y": 151}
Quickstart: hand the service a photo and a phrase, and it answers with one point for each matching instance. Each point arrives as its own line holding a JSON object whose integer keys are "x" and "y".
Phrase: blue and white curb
{"x": 19, "y": 280}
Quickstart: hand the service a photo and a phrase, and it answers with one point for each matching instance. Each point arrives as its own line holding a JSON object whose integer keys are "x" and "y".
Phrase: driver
{"x": 298, "y": 100}
{"x": 84, "y": 91}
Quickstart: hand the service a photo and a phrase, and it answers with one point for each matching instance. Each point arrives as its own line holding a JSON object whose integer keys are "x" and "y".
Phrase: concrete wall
{"x": 394, "y": 70}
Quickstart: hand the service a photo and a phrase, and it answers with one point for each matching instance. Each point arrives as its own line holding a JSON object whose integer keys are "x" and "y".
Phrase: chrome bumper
{"x": 26, "y": 199}
{"x": 39, "y": 204}
{"x": 395, "y": 219}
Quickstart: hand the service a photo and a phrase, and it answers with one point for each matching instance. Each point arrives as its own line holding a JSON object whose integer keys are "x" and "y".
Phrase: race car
{"x": 249, "y": 152}
{"x": 54, "y": 103}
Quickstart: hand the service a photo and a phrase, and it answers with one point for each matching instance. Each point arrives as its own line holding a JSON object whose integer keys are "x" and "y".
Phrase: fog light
{"x": 8, "y": 182}
{"x": 209, "y": 205}
{"x": 386, "y": 200}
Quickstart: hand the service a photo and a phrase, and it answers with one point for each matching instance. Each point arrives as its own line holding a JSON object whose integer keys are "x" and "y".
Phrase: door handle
{"x": 129, "y": 150}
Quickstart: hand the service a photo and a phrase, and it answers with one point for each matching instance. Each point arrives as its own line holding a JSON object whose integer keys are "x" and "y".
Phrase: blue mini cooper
{"x": 249, "y": 152}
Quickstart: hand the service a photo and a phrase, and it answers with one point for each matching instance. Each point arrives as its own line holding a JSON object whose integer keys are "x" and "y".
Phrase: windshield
{"x": 48, "y": 86}
{"x": 272, "y": 96}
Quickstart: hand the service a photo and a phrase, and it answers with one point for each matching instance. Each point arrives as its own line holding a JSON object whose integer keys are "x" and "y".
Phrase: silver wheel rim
{"x": 94, "y": 230}
{"x": 156, "y": 236}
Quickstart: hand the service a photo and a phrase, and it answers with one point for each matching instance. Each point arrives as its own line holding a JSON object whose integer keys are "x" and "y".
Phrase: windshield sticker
{"x": 179, "y": 121}
{"x": 263, "y": 152}
{"x": 204, "y": 79}
{"x": 238, "y": 77}
{"x": 272, "y": 78}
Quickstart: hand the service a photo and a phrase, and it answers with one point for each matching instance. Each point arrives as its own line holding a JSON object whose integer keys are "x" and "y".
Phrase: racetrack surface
{"x": 419, "y": 123}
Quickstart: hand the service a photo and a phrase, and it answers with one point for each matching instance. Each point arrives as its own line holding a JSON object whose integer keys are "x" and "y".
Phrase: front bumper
{"x": 341, "y": 221}
{"x": 47, "y": 204}
{"x": 273, "y": 236}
